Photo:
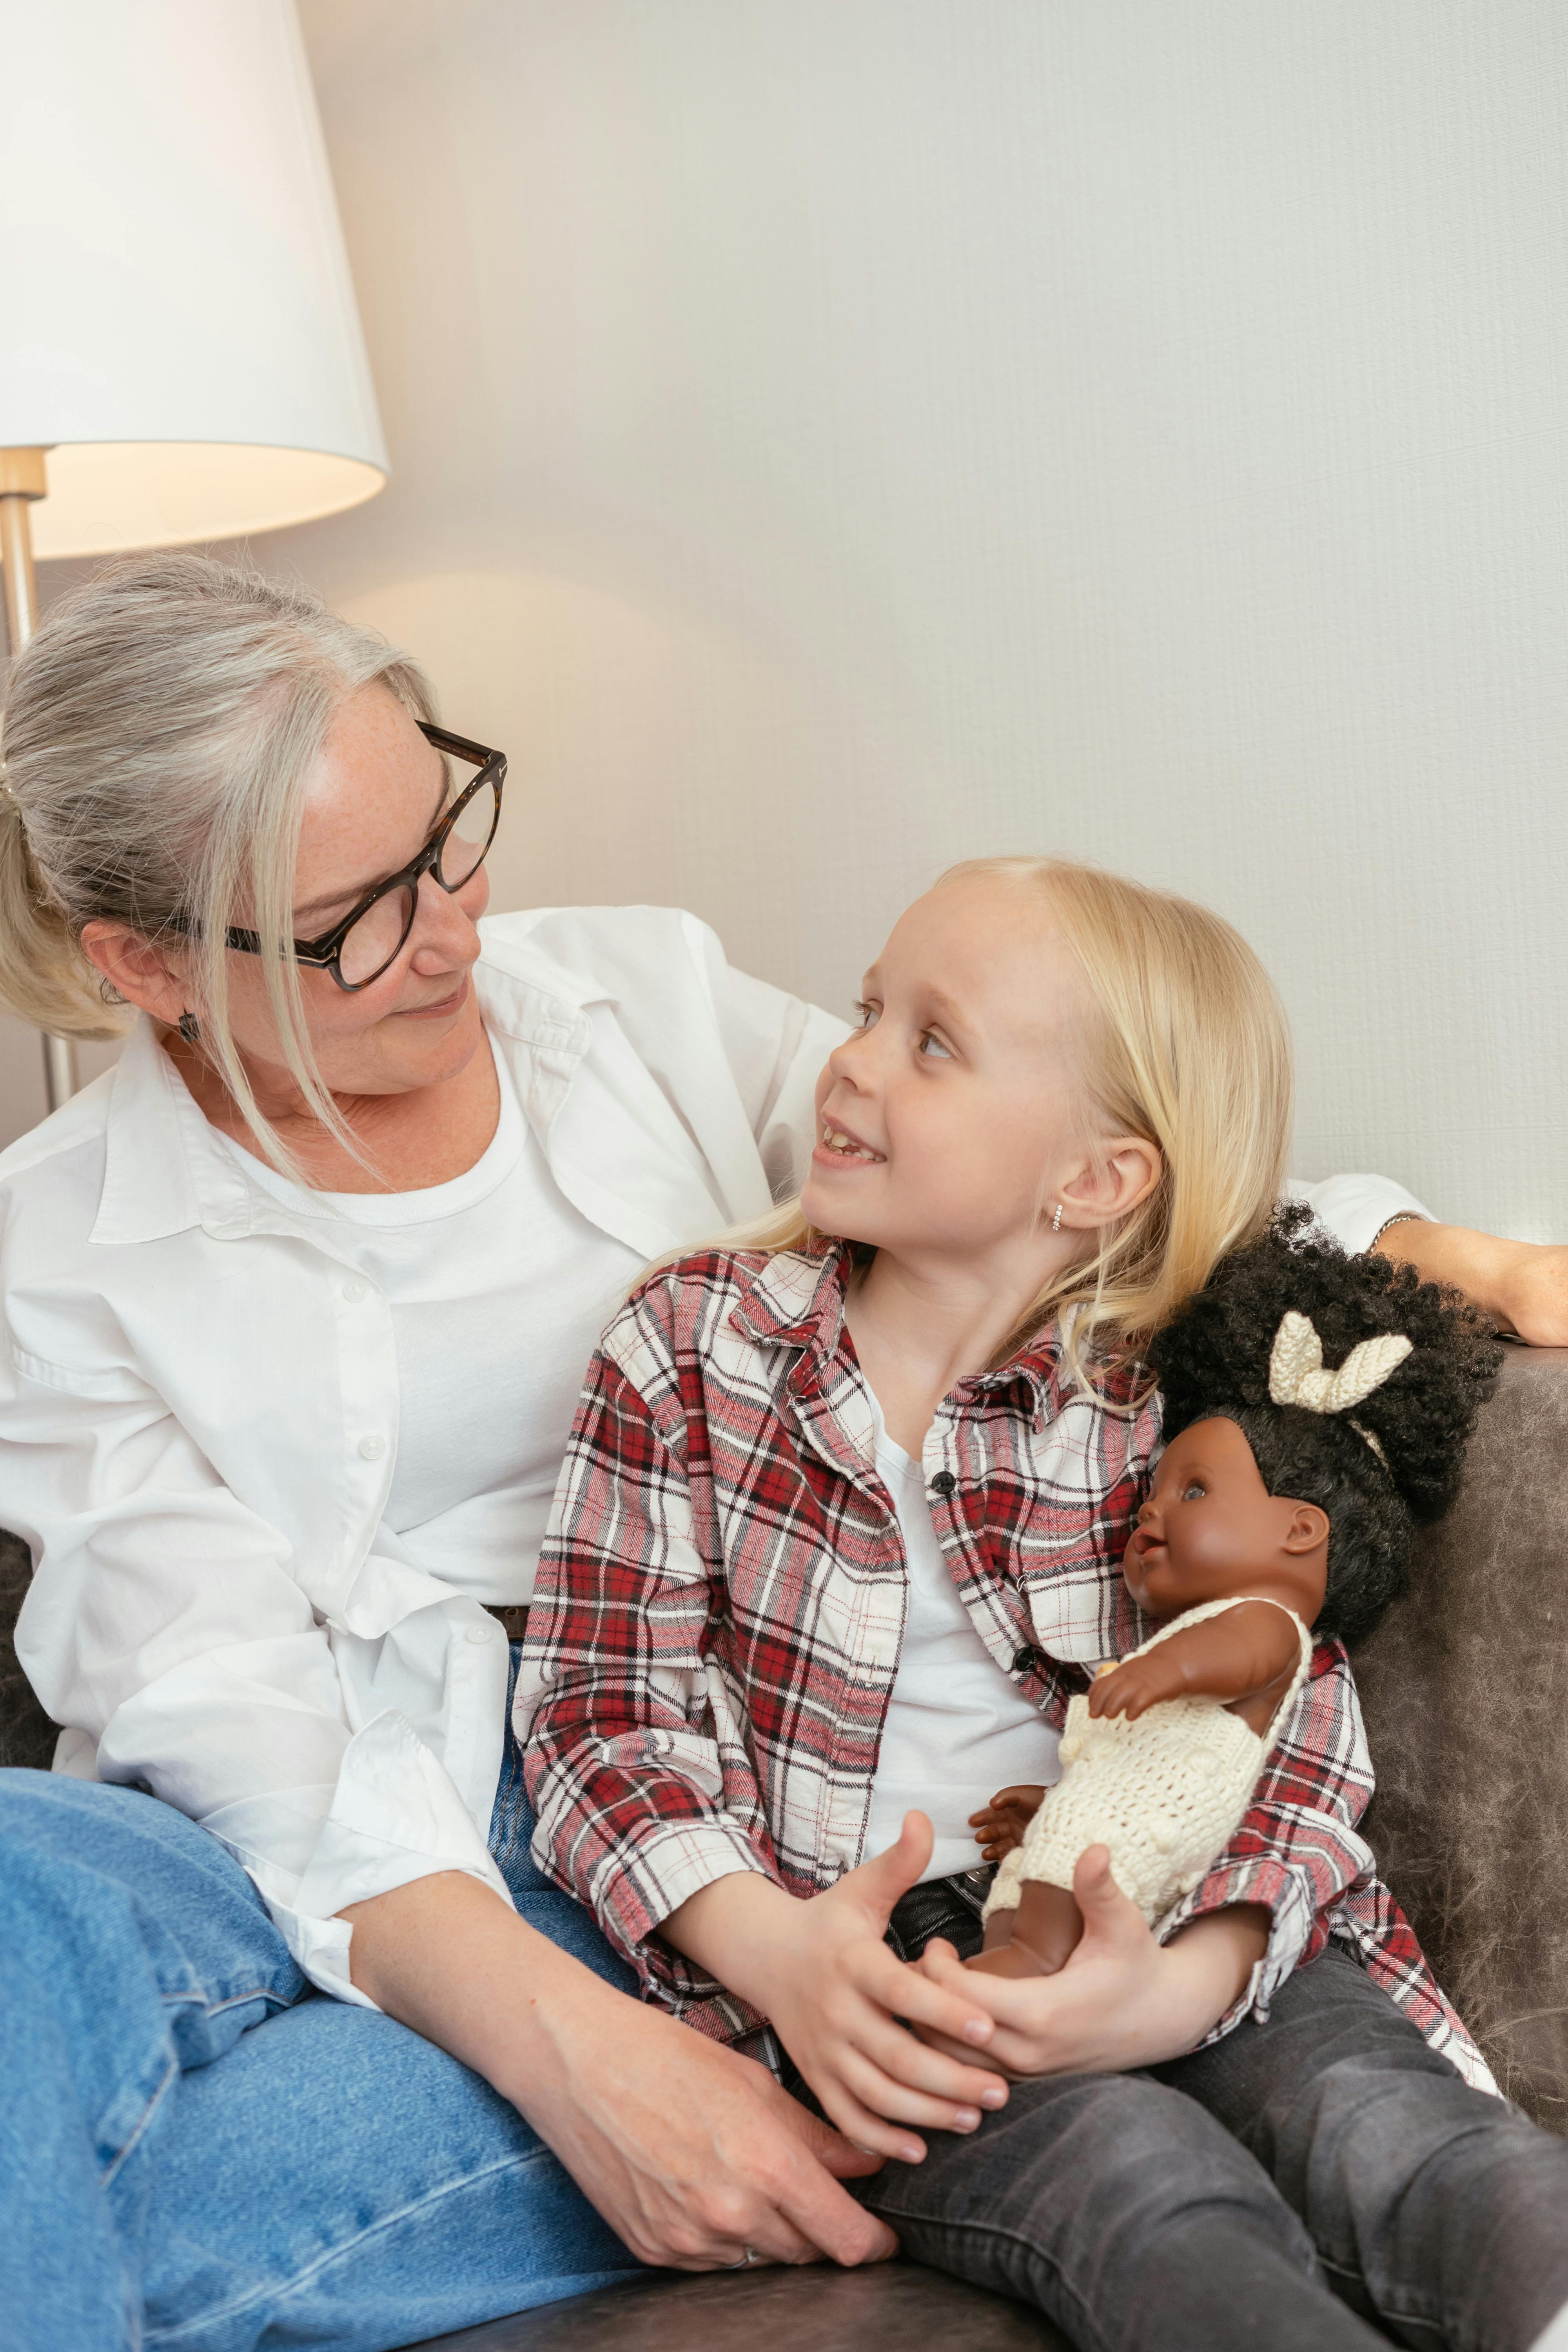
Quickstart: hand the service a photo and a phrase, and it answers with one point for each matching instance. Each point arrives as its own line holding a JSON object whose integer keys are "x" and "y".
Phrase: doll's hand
{"x": 999, "y": 1826}
{"x": 1142, "y": 1683}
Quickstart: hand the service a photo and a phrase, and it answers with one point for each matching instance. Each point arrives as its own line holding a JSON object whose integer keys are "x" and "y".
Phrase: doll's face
{"x": 1210, "y": 1528}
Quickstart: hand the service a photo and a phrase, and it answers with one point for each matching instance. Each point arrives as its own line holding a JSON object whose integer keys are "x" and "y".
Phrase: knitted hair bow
{"x": 1296, "y": 1374}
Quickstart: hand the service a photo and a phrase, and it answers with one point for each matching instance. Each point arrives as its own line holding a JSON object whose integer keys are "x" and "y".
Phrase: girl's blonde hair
{"x": 1189, "y": 1049}
{"x": 158, "y": 733}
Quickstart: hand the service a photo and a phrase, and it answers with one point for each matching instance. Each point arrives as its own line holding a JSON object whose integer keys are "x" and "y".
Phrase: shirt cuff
{"x": 1293, "y": 1929}
{"x": 394, "y": 1815}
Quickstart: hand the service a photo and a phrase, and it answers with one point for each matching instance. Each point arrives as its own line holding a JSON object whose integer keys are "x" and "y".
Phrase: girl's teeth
{"x": 837, "y": 1141}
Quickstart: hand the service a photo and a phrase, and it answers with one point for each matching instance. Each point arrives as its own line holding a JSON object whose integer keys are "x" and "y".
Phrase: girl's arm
{"x": 1123, "y": 2000}
{"x": 645, "y": 1812}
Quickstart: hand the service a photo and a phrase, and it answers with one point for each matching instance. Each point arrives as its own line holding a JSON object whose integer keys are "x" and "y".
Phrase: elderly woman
{"x": 296, "y": 1307}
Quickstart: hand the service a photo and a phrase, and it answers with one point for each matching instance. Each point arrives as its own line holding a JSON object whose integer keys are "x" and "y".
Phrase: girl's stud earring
{"x": 1056, "y": 1221}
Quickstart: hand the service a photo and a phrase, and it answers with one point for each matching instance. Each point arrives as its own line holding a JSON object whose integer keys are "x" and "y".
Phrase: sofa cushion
{"x": 889, "y": 2307}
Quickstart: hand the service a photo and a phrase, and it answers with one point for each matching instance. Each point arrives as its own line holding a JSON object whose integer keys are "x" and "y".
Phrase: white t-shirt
{"x": 499, "y": 1288}
{"x": 958, "y": 1728}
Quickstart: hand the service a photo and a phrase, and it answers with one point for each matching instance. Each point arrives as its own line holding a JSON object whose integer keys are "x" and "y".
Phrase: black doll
{"x": 1285, "y": 1500}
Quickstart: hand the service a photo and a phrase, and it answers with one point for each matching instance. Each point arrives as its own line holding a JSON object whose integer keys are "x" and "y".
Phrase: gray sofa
{"x": 1466, "y": 1691}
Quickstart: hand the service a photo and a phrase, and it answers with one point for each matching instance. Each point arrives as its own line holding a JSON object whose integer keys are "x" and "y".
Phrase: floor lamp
{"x": 183, "y": 359}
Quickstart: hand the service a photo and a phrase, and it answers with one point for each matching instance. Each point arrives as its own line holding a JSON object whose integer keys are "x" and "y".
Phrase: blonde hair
{"x": 158, "y": 732}
{"x": 1189, "y": 1050}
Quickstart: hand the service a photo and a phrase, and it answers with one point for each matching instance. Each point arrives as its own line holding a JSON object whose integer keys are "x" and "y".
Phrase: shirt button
{"x": 943, "y": 1483}
{"x": 354, "y": 1291}
{"x": 1021, "y": 1660}
{"x": 478, "y": 1634}
{"x": 371, "y": 1448}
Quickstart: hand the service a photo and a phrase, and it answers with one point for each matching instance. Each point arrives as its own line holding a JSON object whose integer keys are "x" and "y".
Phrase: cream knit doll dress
{"x": 1165, "y": 1793}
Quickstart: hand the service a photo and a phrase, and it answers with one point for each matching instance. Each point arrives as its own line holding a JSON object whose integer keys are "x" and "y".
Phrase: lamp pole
{"x": 22, "y": 480}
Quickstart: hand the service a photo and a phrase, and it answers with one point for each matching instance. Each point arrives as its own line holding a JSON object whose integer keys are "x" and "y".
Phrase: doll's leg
{"x": 1036, "y": 1938}
{"x": 1438, "y": 2208}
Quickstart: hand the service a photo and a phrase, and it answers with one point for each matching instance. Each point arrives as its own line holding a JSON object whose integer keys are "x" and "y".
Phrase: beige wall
{"x": 836, "y": 436}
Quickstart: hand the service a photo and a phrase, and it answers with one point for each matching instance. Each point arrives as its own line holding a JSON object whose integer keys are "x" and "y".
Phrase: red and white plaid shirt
{"x": 720, "y": 1606}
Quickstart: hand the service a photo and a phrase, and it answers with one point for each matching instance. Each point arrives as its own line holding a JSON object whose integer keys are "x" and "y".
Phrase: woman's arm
{"x": 1522, "y": 1286}
{"x": 691, "y": 2153}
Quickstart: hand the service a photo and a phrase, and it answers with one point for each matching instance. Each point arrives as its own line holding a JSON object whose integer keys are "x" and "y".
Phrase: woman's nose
{"x": 444, "y": 932}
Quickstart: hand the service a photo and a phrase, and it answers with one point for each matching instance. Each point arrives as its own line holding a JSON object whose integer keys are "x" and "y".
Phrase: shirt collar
{"x": 797, "y": 1296}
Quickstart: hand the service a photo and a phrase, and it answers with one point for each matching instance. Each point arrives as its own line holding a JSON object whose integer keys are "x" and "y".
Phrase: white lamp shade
{"x": 179, "y": 326}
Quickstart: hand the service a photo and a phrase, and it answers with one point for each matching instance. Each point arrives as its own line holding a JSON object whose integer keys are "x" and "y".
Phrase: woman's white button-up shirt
{"x": 199, "y": 1412}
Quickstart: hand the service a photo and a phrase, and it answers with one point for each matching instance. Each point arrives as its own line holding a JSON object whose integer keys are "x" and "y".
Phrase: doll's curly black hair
{"x": 1212, "y": 1359}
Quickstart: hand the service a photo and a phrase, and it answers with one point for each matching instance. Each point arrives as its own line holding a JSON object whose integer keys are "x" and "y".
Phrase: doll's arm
{"x": 1246, "y": 1655}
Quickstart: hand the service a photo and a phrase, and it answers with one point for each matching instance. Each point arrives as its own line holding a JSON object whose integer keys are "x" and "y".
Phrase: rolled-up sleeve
{"x": 1355, "y": 1209}
{"x": 635, "y": 1761}
{"x": 165, "y": 1628}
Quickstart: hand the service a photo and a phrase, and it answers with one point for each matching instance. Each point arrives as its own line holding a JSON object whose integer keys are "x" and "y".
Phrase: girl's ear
{"x": 1309, "y": 1527}
{"x": 136, "y": 970}
{"x": 1118, "y": 1179}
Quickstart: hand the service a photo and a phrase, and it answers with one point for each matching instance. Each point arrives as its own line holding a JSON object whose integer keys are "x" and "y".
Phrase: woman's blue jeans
{"x": 197, "y": 2151}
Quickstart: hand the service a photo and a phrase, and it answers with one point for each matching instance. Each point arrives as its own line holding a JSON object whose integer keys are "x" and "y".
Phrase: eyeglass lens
{"x": 376, "y": 938}
{"x": 469, "y": 838}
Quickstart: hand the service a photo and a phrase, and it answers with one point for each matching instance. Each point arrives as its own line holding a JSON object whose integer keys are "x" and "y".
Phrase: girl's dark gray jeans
{"x": 1325, "y": 2179}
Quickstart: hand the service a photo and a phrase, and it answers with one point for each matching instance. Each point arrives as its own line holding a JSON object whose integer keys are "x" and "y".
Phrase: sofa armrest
{"x": 1465, "y": 1685}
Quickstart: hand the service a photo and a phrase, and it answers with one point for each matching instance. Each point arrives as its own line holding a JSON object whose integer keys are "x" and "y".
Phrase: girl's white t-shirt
{"x": 499, "y": 1288}
{"x": 958, "y": 1728}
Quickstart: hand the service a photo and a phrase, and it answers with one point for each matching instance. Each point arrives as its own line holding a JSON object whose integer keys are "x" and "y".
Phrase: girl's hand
{"x": 819, "y": 1971}
{"x": 1123, "y": 2000}
{"x": 999, "y": 1826}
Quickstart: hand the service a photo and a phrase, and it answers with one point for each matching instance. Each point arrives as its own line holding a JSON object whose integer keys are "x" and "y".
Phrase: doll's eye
{"x": 867, "y": 1013}
{"x": 1193, "y": 1491}
{"x": 931, "y": 1046}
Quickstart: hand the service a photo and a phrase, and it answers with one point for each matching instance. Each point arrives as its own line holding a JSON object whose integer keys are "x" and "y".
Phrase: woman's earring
{"x": 1056, "y": 1221}
{"x": 191, "y": 1031}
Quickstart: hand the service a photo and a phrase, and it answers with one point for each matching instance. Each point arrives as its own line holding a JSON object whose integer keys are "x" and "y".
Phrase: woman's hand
{"x": 1122, "y": 2000}
{"x": 999, "y": 1826}
{"x": 818, "y": 1969}
{"x": 691, "y": 2153}
{"x": 1522, "y": 1286}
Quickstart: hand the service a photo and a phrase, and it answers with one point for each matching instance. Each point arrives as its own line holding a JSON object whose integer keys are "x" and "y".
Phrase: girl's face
{"x": 955, "y": 1116}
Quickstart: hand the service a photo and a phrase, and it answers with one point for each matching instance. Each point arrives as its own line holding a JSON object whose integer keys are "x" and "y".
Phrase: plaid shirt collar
{"x": 796, "y": 1299}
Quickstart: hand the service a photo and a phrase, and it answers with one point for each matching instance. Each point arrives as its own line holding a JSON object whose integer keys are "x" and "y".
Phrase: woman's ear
{"x": 136, "y": 970}
{"x": 1119, "y": 1178}
{"x": 1308, "y": 1530}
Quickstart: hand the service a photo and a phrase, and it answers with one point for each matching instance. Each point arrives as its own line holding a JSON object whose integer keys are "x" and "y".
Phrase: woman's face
{"x": 952, "y": 1115}
{"x": 371, "y": 801}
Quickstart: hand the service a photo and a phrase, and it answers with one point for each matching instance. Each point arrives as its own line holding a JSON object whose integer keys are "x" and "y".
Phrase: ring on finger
{"x": 749, "y": 2256}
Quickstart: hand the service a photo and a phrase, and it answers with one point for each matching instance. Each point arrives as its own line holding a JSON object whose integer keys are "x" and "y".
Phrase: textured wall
{"x": 836, "y": 436}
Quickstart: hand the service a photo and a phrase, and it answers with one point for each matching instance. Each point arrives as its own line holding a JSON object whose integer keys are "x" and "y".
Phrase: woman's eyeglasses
{"x": 374, "y": 933}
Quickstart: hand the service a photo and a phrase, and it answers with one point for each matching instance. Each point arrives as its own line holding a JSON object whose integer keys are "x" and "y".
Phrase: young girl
{"x": 838, "y": 1538}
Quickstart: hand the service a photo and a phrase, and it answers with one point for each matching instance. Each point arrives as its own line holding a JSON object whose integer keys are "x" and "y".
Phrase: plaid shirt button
{"x": 943, "y": 1483}
{"x": 1022, "y": 1659}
